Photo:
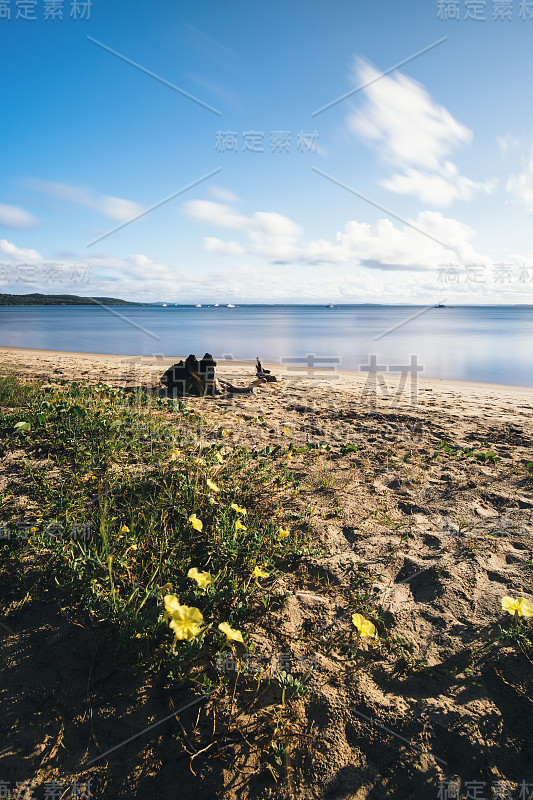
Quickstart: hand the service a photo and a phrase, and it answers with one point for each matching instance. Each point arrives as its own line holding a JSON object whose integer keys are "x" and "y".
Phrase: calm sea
{"x": 493, "y": 344}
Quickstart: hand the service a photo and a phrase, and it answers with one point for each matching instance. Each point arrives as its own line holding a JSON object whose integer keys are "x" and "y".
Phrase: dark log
{"x": 260, "y": 369}
{"x": 181, "y": 379}
{"x": 199, "y": 378}
{"x": 241, "y": 389}
{"x": 264, "y": 373}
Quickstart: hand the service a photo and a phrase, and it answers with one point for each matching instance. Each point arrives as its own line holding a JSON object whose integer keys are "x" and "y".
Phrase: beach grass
{"x": 116, "y": 496}
{"x": 108, "y": 485}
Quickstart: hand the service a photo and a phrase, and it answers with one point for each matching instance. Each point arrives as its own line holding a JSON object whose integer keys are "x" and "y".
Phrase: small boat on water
{"x": 440, "y": 305}
{"x": 164, "y": 305}
{"x": 197, "y": 305}
{"x": 230, "y": 305}
{"x": 216, "y": 305}
{"x": 331, "y": 305}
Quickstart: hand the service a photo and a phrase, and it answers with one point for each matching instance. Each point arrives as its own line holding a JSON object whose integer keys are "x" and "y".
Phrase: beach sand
{"x": 391, "y": 490}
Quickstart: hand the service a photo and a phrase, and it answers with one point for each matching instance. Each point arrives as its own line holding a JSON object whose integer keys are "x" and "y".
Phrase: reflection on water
{"x": 478, "y": 343}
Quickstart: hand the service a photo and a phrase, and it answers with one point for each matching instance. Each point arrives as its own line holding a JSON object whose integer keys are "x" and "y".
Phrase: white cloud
{"x": 521, "y": 185}
{"x": 385, "y": 262}
{"x": 137, "y": 267}
{"x": 412, "y": 132}
{"x": 15, "y": 255}
{"x": 222, "y": 194}
{"x": 382, "y": 246}
{"x": 216, "y": 213}
{"x": 507, "y": 141}
{"x": 271, "y": 234}
{"x": 115, "y": 208}
{"x": 217, "y": 246}
{"x": 274, "y": 235}
{"x": 435, "y": 189}
{"x": 15, "y": 217}
{"x": 401, "y": 117}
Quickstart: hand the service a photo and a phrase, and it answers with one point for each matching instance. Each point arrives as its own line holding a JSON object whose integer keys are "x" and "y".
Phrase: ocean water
{"x": 493, "y": 344}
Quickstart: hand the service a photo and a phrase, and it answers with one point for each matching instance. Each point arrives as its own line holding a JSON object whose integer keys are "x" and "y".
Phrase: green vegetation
{"x": 144, "y": 517}
{"x": 59, "y": 300}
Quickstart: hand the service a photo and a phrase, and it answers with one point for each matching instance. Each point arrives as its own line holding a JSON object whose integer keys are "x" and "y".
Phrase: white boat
{"x": 164, "y": 305}
{"x": 230, "y": 305}
{"x": 331, "y": 305}
{"x": 216, "y": 305}
{"x": 197, "y": 305}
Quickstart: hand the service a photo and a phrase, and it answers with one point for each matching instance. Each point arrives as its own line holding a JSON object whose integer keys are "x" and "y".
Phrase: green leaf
{"x": 22, "y": 426}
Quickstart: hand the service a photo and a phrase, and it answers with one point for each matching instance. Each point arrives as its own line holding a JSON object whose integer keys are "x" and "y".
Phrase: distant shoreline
{"x": 76, "y": 300}
{"x": 37, "y": 299}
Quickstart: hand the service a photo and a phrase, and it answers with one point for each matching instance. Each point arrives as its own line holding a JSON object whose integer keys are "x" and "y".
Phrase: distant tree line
{"x": 59, "y": 300}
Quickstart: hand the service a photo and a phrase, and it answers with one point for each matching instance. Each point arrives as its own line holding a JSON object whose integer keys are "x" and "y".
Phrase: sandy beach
{"x": 395, "y": 490}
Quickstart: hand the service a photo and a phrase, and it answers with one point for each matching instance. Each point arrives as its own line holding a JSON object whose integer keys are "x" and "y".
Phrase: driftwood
{"x": 192, "y": 377}
{"x": 199, "y": 378}
{"x": 241, "y": 389}
{"x": 264, "y": 373}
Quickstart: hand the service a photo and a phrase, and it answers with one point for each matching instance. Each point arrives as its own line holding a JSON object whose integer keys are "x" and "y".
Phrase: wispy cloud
{"x": 217, "y": 246}
{"x": 15, "y": 217}
{"x": 521, "y": 184}
{"x": 223, "y": 194}
{"x": 12, "y": 254}
{"x": 507, "y": 141}
{"x": 415, "y": 134}
{"x": 115, "y": 208}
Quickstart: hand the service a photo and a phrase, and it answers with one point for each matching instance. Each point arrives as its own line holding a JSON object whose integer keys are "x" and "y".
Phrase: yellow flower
{"x": 225, "y": 432}
{"x": 165, "y": 588}
{"x": 212, "y": 486}
{"x": 196, "y": 523}
{"x": 124, "y": 529}
{"x": 289, "y": 456}
{"x": 231, "y": 633}
{"x": 259, "y": 573}
{"x": 203, "y": 579}
{"x": 219, "y": 458}
{"x": 174, "y": 454}
{"x": 238, "y": 509}
{"x": 282, "y": 534}
{"x": 239, "y": 526}
{"x": 519, "y": 607}
{"x": 364, "y": 626}
{"x": 171, "y": 602}
{"x": 285, "y": 431}
{"x": 186, "y": 621}
{"x": 527, "y": 608}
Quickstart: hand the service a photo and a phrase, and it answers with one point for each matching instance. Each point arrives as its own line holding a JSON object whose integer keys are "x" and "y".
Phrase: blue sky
{"x": 432, "y": 164}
